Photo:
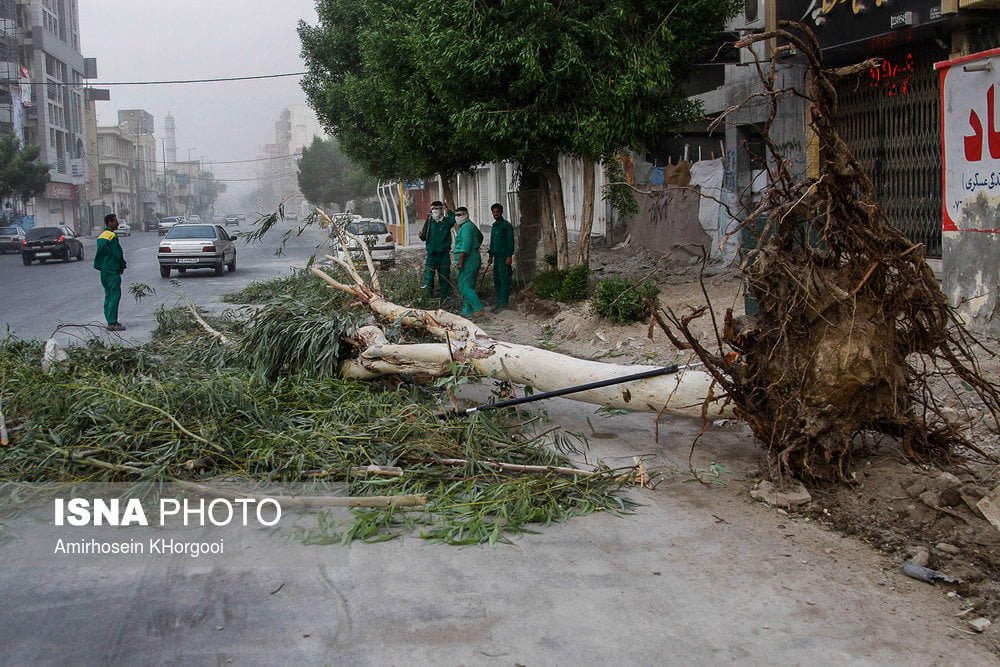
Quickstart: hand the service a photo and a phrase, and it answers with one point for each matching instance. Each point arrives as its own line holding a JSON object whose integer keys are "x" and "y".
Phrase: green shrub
{"x": 622, "y": 300}
{"x": 548, "y": 282}
{"x": 575, "y": 285}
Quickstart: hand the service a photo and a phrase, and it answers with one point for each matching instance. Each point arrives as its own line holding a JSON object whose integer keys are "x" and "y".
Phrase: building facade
{"x": 49, "y": 53}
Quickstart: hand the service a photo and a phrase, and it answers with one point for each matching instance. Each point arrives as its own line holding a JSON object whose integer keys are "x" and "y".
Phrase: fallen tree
{"x": 687, "y": 392}
{"x": 852, "y": 322}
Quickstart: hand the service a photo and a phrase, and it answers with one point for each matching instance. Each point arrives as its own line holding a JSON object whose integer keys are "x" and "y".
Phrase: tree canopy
{"x": 21, "y": 176}
{"x": 327, "y": 176}
{"x": 417, "y": 87}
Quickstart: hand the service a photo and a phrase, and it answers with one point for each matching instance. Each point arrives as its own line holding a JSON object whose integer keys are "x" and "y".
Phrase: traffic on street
{"x": 41, "y": 298}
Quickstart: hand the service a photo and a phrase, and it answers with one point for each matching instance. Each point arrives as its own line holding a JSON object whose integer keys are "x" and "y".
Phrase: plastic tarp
{"x": 708, "y": 176}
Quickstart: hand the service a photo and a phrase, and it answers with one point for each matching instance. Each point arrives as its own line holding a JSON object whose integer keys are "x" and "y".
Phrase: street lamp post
{"x": 190, "y": 184}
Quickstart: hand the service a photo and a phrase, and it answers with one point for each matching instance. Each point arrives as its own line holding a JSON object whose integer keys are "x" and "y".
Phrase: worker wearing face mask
{"x": 436, "y": 234}
{"x": 467, "y": 260}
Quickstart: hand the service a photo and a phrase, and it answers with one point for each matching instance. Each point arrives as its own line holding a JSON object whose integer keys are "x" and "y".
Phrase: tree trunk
{"x": 545, "y": 215}
{"x": 682, "y": 393}
{"x": 447, "y": 183}
{"x": 465, "y": 342}
{"x": 586, "y": 212}
{"x": 558, "y": 214}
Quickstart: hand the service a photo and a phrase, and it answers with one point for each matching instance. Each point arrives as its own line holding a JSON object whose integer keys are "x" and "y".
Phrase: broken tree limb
{"x": 411, "y": 500}
{"x": 540, "y": 369}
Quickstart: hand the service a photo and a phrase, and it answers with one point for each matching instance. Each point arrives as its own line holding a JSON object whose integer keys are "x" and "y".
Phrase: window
{"x": 191, "y": 232}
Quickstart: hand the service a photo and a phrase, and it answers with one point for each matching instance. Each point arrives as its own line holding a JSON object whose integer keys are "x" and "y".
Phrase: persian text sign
{"x": 970, "y": 141}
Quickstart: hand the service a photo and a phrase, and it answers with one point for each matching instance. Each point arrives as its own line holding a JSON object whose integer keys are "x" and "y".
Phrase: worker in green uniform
{"x": 110, "y": 261}
{"x": 436, "y": 234}
{"x": 502, "y": 256}
{"x": 467, "y": 259}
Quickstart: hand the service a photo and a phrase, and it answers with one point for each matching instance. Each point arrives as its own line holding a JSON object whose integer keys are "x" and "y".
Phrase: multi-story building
{"x": 116, "y": 162}
{"x": 140, "y": 124}
{"x": 49, "y": 51}
{"x": 294, "y": 130}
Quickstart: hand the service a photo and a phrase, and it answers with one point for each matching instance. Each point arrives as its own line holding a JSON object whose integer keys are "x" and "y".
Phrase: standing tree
{"x": 210, "y": 191}
{"x": 416, "y": 87}
{"x": 21, "y": 176}
{"x": 327, "y": 176}
{"x": 367, "y": 90}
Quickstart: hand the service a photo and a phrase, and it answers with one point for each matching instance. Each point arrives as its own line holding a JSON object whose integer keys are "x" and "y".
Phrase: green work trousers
{"x": 467, "y": 284}
{"x": 501, "y": 281}
{"x": 438, "y": 262}
{"x": 112, "y": 283}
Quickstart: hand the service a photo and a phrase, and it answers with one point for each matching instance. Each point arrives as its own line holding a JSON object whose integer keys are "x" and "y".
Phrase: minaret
{"x": 170, "y": 152}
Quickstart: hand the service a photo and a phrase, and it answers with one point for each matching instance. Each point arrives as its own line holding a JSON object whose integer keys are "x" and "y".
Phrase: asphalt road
{"x": 39, "y": 298}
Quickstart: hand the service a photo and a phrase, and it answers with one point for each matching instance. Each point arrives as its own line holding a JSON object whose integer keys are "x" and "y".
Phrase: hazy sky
{"x": 153, "y": 40}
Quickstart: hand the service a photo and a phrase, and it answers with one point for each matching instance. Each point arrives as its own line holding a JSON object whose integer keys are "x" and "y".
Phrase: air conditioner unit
{"x": 751, "y": 16}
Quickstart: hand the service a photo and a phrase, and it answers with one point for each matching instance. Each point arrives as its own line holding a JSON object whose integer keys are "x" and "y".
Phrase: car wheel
{"x": 79, "y": 255}
{"x": 164, "y": 272}
{"x": 26, "y": 260}
{"x": 66, "y": 255}
{"x": 232, "y": 264}
{"x": 220, "y": 269}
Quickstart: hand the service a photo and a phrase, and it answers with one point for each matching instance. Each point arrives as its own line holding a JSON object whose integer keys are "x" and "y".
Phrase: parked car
{"x": 167, "y": 223}
{"x": 45, "y": 243}
{"x": 151, "y": 224}
{"x": 11, "y": 238}
{"x": 124, "y": 229}
{"x": 194, "y": 246}
{"x": 232, "y": 219}
{"x": 378, "y": 237}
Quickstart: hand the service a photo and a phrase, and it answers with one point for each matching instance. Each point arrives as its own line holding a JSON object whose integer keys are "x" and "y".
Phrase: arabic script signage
{"x": 838, "y": 23}
{"x": 970, "y": 138}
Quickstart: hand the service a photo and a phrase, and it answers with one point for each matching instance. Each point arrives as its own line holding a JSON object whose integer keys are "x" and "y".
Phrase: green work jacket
{"x": 109, "y": 255}
{"x": 437, "y": 233}
{"x": 502, "y": 239}
{"x": 468, "y": 239}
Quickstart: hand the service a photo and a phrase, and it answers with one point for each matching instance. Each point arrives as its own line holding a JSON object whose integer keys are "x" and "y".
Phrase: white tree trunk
{"x": 464, "y": 341}
{"x": 683, "y": 392}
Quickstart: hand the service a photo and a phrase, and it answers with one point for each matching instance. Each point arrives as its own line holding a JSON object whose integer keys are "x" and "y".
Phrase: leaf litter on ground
{"x": 270, "y": 408}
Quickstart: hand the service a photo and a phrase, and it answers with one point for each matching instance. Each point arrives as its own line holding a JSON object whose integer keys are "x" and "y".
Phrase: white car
{"x": 124, "y": 229}
{"x": 378, "y": 237}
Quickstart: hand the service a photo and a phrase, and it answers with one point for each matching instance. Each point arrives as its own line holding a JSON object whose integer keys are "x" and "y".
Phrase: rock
{"x": 914, "y": 490}
{"x": 989, "y": 505}
{"x": 944, "y": 547}
{"x": 793, "y": 495}
{"x": 980, "y": 624}
{"x": 930, "y": 498}
{"x": 921, "y": 556}
{"x": 950, "y": 498}
{"x": 948, "y": 481}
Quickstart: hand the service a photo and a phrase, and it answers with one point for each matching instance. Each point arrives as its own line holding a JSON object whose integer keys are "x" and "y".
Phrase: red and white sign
{"x": 970, "y": 140}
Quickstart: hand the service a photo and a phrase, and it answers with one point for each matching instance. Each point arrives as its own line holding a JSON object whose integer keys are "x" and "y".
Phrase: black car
{"x": 151, "y": 224}
{"x": 45, "y": 243}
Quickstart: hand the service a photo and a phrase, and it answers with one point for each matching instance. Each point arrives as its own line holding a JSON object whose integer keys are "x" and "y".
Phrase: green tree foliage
{"x": 414, "y": 87}
{"x": 328, "y": 176}
{"x": 210, "y": 191}
{"x": 368, "y": 91}
{"x": 21, "y": 176}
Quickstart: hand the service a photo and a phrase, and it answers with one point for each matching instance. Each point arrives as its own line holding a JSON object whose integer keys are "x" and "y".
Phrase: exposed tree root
{"x": 850, "y": 315}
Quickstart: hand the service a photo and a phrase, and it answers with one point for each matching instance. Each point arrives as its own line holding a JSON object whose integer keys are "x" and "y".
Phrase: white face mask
{"x": 437, "y": 213}
{"x": 461, "y": 218}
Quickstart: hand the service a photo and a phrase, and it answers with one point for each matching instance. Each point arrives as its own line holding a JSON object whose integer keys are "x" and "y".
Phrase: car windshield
{"x": 367, "y": 228}
{"x": 8, "y": 230}
{"x": 192, "y": 232}
{"x": 43, "y": 233}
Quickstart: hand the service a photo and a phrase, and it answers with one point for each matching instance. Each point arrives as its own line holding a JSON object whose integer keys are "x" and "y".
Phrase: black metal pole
{"x": 667, "y": 370}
